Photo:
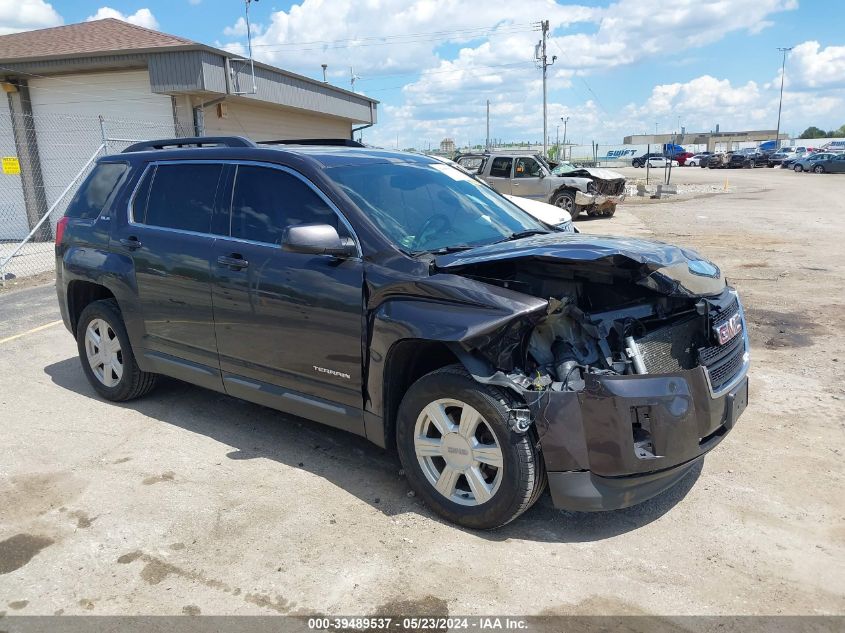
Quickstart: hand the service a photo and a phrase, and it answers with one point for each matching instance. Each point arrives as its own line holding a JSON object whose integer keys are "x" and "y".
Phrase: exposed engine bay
{"x": 615, "y": 317}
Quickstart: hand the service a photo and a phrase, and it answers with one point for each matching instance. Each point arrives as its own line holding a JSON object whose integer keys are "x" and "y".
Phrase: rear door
{"x": 166, "y": 237}
{"x": 501, "y": 168}
{"x": 528, "y": 179}
{"x": 288, "y": 325}
{"x": 836, "y": 164}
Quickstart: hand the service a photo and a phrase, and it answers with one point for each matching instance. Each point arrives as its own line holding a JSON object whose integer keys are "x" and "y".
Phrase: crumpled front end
{"x": 622, "y": 439}
{"x": 635, "y": 371}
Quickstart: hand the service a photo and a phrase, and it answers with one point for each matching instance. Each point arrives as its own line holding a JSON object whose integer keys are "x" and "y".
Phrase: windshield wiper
{"x": 518, "y": 235}
{"x": 445, "y": 249}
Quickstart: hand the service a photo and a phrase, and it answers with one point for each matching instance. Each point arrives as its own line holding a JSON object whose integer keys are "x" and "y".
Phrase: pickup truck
{"x": 529, "y": 176}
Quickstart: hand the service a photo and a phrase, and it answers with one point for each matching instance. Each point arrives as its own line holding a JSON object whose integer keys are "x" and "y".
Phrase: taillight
{"x": 60, "y": 229}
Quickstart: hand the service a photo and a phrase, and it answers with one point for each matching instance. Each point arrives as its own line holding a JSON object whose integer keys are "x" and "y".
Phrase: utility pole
{"x": 487, "y": 142}
{"x": 540, "y": 56}
{"x": 325, "y": 66}
{"x": 565, "y": 121}
{"x": 785, "y": 50}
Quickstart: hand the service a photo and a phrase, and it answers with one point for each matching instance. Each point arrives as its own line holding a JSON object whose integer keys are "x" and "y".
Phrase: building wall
{"x": 263, "y": 124}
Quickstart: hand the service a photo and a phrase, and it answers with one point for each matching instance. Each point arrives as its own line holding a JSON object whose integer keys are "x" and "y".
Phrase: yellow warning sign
{"x": 11, "y": 165}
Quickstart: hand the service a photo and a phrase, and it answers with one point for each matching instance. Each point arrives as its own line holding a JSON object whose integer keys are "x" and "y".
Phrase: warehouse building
{"x": 70, "y": 89}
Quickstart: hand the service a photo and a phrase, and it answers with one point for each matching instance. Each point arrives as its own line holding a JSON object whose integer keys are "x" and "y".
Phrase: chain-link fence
{"x": 50, "y": 157}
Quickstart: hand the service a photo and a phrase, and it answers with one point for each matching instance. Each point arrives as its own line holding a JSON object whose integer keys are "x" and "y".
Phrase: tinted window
{"x": 501, "y": 167}
{"x": 527, "y": 168}
{"x": 182, "y": 196}
{"x": 266, "y": 201}
{"x": 97, "y": 191}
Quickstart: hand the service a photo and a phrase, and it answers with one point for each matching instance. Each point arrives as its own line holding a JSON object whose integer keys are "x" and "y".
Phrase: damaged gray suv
{"x": 395, "y": 297}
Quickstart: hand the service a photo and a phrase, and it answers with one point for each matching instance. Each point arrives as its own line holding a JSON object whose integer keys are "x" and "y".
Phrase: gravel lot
{"x": 192, "y": 502}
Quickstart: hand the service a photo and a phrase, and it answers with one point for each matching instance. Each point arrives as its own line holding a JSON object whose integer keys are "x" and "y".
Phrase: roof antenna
{"x": 249, "y": 46}
{"x": 352, "y": 77}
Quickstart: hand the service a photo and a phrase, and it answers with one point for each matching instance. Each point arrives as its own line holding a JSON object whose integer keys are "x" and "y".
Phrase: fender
{"x": 482, "y": 324}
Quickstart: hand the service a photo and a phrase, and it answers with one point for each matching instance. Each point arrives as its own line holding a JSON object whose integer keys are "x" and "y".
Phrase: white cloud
{"x": 142, "y": 17}
{"x": 25, "y": 15}
{"x": 239, "y": 29}
{"x": 194, "y": 2}
{"x": 809, "y": 66}
{"x": 447, "y": 87}
{"x": 236, "y": 48}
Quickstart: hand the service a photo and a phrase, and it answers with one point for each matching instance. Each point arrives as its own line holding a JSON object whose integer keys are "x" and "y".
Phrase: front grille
{"x": 708, "y": 356}
{"x": 723, "y": 362}
{"x": 722, "y": 373}
{"x": 725, "y": 314}
{"x": 685, "y": 344}
{"x": 610, "y": 187}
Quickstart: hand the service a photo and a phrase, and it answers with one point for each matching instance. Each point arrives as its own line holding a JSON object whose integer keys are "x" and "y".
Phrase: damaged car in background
{"x": 397, "y": 298}
{"x": 531, "y": 176}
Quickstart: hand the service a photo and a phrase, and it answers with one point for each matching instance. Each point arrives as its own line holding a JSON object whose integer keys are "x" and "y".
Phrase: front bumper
{"x": 593, "y": 443}
{"x": 597, "y": 200}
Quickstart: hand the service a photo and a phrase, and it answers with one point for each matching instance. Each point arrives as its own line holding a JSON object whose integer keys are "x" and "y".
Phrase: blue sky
{"x": 622, "y": 66}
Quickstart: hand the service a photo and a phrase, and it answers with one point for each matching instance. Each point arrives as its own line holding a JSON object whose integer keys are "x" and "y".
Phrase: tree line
{"x": 815, "y": 132}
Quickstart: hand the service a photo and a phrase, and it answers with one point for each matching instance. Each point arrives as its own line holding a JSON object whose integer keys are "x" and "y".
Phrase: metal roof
{"x": 177, "y": 66}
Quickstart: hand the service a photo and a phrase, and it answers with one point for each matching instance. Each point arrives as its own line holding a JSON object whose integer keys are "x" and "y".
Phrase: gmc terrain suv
{"x": 397, "y": 298}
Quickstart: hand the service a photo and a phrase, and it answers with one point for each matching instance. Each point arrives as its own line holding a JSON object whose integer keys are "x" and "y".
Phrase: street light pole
{"x": 785, "y": 50}
{"x": 565, "y": 121}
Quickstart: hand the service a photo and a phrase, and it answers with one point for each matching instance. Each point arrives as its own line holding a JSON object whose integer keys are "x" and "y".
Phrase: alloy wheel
{"x": 566, "y": 203}
{"x": 458, "y": 452}
{"x": 102, "y": 349}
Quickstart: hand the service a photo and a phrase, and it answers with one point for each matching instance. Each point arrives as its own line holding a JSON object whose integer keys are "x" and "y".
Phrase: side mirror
{"x": 318, "y": 239}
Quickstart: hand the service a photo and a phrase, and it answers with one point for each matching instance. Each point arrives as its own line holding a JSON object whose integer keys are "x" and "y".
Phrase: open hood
{"x": 664, "y": 268}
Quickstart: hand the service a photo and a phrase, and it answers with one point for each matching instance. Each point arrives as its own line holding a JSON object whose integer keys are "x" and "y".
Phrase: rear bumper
{"x": 596, "y": 453}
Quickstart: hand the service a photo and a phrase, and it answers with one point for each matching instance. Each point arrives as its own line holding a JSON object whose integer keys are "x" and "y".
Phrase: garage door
{"x": 66, "y": 110}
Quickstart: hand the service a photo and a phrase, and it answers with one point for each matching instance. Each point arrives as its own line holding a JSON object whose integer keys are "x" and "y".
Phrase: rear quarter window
{"x": 97, "y": 191}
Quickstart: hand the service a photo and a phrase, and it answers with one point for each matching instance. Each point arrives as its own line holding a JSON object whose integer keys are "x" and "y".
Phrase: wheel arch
{"x": 80, "y": 294}
{"x": 407, "y": 361}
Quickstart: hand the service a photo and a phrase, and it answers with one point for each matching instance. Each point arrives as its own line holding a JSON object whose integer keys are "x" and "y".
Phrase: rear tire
{"x": 451, "y": 432}
{"x": 106, "y": 355}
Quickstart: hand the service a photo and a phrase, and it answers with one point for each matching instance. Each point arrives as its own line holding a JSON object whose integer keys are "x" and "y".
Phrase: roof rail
{"x": 340, "y": 142}
{"x": 190, "y": 141}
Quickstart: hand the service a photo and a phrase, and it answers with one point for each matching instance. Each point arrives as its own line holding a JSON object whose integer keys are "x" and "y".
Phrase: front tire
{"x": 459, "y": 454}
{"x": 106, "y": 355}
{"x": 798, "y": 169}
{"x": 818, "y": 169}
{"x": 566, "y": 201}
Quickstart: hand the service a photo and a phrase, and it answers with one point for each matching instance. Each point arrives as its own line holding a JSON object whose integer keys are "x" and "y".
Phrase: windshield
{"x": 563, "y": 168}
{"x": 423, "y": 208}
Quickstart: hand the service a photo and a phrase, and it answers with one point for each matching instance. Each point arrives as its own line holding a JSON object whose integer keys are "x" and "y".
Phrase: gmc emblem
{"x": 729, "y": 329}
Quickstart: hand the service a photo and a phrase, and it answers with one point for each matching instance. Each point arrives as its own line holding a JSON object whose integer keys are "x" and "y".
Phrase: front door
{"x": 528, "y": 179}
{"x": 288, "y": 325}
{"x": 500, "y": 174}
{"x": 167, "y": 238}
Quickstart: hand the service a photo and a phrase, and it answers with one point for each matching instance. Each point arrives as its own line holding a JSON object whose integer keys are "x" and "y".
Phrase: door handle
{"x": 233, "y": 261}
{"x": 516, "y": 184}
{"x": 130, "y": 242}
